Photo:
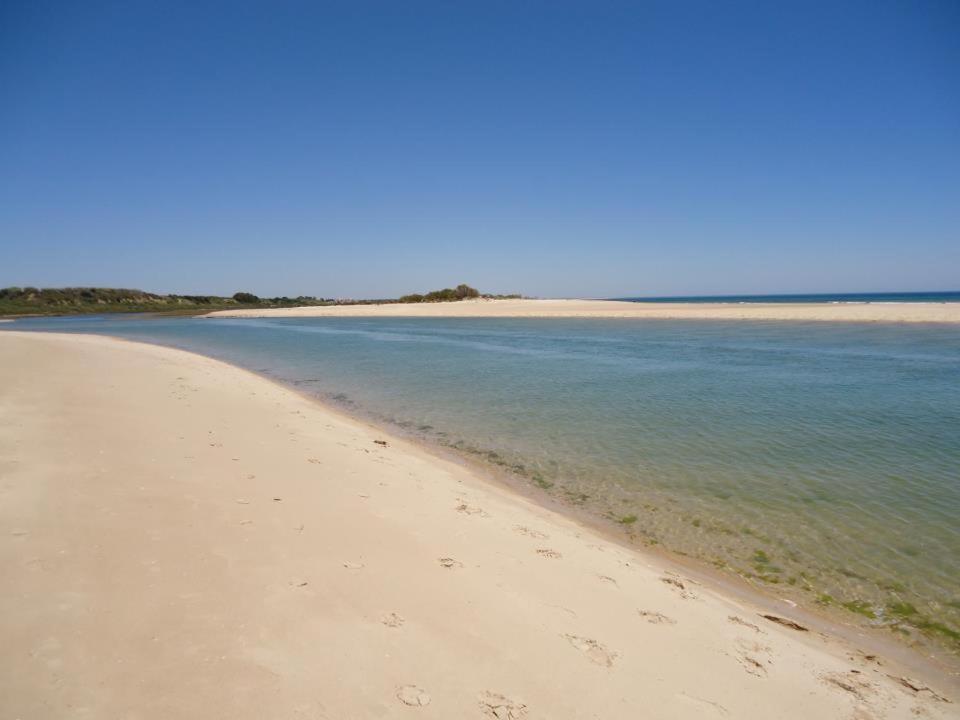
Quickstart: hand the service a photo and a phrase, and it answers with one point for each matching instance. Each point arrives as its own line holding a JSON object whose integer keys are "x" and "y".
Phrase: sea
{"x": 837, "y": 298}
{"x": 820, "y": 461}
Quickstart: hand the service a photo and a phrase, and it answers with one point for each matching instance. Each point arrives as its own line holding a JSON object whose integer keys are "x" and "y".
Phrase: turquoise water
{"x": 822, "y": 458}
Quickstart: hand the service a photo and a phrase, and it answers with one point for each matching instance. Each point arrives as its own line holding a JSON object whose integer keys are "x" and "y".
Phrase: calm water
{"x": 823, "y": 458}
{"x": 920, "y": 297}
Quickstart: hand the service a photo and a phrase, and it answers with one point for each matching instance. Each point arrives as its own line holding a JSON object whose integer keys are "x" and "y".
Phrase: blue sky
{"x": 581, "y": 149}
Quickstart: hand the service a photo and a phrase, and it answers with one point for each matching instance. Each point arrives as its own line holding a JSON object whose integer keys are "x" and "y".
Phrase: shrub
{"x": 245, "y": 297}
{"x": 461, "y": 292}
{"x": 445, "y": 295}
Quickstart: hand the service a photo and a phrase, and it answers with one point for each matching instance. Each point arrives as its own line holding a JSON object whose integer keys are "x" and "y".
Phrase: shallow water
{"x": 820, "y": 457}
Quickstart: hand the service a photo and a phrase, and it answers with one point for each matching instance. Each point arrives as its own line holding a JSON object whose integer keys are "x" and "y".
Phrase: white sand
{"x": 873, "y": 312}
{"x": 182, "y": 539}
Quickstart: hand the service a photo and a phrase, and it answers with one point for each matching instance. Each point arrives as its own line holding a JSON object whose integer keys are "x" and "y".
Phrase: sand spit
{"x": 866, "y": 312}
{"x": 181, "y": 538}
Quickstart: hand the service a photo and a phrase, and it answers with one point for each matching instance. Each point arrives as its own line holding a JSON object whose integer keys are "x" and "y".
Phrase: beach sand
{"x": 180, "y": 538}
{"x": 873, "y": 312}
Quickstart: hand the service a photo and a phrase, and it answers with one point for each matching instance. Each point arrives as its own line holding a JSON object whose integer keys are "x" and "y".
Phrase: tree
{"x": 465, "y": 291}
{"x": 246, "y": 298}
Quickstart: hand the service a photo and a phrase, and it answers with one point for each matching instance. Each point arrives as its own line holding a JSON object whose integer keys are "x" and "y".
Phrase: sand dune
{"x": 873, "y": 312}
{"x": 183, "y": 539}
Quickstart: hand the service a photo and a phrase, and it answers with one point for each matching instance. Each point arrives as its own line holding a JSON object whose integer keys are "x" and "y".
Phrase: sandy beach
{"x": 180, "y": 538}
{"x": 866, "y": 312}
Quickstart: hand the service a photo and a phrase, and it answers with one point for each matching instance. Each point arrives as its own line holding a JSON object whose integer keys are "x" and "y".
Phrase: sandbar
{"x": 569, "y": 308}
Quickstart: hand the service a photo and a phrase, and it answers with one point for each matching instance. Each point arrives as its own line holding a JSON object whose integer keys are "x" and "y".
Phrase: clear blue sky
{"x": 589, "y": 149}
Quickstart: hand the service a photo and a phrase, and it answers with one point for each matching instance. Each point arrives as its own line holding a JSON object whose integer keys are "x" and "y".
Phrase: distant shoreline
{"x": 856, "y": 298}
{"x": 893, "y": 312}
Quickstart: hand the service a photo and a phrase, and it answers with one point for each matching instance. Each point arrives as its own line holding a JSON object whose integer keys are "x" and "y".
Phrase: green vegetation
{"x": 860, "y": 608}
{"x": 907, "y": 614}
{"x": 901, "y": 609}
{"x": 460, "y": 292}
{"x": 763, "y": 564}
{"x": 67, "y": 301}
{"x": 541, "y": 482}
{"x": 576, "y": 497}
{"x": 628, "y": 520}
{"x": 766, "y": 571}
{"x": 933, "y": 627}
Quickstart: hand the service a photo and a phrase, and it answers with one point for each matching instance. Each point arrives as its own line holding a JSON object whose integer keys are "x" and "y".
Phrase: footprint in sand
{"x": 548, "y": 553}
{"x": 751, "y": 665}
{"x": 523, "y": 530}
{"x": 608, "y": 579}
{"x": 678, "y": 585}
{"x": 592, "y": 649}
{"x": 915, "y": 687}
{"x": 413, "y": 696}
{"x": 471, "y": 510}
{"x": 353, "y": 566}
{"x": 852, "y": 683}
{"x": 501, "y": 707}
{"x": 392, "y": 620}
{"x": 740, "y": 621}
{"x": 450, "y": 563}
{"x": 656, "y": 618}
{"x": 867, "y": 695}
{"x": 866, "y": 657}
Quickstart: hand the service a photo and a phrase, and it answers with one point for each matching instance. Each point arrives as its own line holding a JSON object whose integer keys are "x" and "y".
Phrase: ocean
{"x": 821, "y": 460}
{"x": 889, "y": 297}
